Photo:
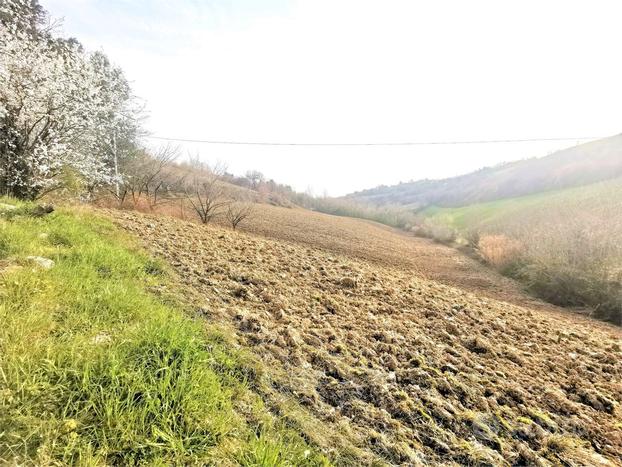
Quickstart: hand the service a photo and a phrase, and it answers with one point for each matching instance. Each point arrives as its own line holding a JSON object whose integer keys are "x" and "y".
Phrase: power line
{"x": 402, "y": 143}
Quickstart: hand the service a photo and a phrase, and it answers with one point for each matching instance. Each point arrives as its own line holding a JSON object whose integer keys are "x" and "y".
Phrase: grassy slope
{"x": 97, "y": 368}
{"x": 497, "y": 212}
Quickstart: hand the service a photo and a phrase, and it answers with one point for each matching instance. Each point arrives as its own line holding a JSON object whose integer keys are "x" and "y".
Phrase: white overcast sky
{"x": 363, "y": 71}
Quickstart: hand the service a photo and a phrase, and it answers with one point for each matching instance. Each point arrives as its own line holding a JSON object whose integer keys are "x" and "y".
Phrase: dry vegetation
{"x": 499, "y": 251}
{"x": 405, "y": 370}
{"x": 573, "y": 260}
{"x": 392, "y": 215}
{"x": 564, "y": 246}
{"x": 552, "y": 222}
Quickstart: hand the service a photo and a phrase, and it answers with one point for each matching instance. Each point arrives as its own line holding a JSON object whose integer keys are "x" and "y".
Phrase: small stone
{"x": 42, "y": 210}
{"x": 45, "y": 263}
{"x": 7, "y": 207}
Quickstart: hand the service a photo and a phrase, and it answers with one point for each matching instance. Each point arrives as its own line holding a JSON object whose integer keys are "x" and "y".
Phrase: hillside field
{"x": 404, "y": 369}
{"x": 594, "y": 199}
{"x": 165, "y": 302}
{"x": 307, "y": 340}
{"x": 562, "y": 245}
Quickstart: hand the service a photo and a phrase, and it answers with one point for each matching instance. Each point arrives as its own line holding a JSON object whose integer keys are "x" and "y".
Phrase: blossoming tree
{"x": 61, "y": 109}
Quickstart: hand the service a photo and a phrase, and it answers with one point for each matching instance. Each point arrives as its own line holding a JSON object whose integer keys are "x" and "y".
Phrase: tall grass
{"x": 572, "y": 258}
{"x": 499, "y": 251}
{"x": 97, "y": 370}
{"x": 563, "y": 245}
{"x": 565, "y": 249}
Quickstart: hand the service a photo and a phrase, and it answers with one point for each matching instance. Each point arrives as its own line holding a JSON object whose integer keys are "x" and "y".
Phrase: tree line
{"x": 69, "y": 120}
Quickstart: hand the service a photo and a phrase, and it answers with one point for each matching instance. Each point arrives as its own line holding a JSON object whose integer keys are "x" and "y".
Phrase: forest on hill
{"x": 579, "y": 165}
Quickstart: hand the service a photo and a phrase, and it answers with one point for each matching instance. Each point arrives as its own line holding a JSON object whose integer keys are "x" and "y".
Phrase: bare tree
{"x": 157, "y": 179}
{"x": 238, "y": 212}
{"x": 149, "y": 177}
{"x": 206, "y": 192}
{"x": 255, "y": 178}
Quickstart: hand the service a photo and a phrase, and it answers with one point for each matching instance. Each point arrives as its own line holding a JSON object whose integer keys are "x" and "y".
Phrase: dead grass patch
{"x": 500, "y": 251}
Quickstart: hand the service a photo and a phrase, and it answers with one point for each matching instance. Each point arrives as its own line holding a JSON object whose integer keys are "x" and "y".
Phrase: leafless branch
{"x": 238, "y": 212}
{"x": 206, "y": 192}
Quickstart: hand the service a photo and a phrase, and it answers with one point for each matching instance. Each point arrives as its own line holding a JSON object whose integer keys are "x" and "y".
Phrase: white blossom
{"x": 60, "y": 108}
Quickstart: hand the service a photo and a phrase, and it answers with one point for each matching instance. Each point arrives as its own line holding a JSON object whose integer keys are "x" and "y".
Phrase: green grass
{"x": 98, "y": 369}
{"x": 505, "y": 210}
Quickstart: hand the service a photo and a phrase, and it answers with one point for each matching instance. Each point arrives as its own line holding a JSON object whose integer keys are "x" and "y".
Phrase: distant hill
{"x": 580, "y": 165}
{"x": 594, "y": 203}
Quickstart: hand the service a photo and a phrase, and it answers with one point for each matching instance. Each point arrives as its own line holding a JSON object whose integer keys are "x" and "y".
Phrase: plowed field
{"x": 409, "y": 352}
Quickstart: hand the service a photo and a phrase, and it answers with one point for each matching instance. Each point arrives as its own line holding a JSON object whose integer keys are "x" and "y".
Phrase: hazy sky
{"x": 363, "y": 71}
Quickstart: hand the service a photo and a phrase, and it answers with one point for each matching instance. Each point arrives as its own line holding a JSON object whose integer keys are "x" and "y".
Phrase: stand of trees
{"x": 64, "y": 113}
{"x": 69, "y": 117}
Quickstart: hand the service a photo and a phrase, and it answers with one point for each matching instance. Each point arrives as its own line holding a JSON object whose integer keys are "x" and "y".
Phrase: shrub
{"x": 499, "y": 251}
{"x": 563, "y": 285}
{"x": 394, "y": 216}
{"x": 472, "y": 238}
{"x": 568, "y": 262}
{"x": 436, "y": 231}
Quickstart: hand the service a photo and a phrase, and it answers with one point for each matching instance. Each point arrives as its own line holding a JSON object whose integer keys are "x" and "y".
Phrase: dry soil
{"x": 413, "y": 353}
